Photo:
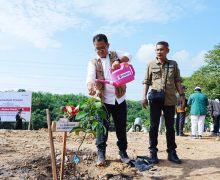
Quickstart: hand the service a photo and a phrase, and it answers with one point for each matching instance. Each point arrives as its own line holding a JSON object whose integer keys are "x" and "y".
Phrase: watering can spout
{"x": 105, "y": 81}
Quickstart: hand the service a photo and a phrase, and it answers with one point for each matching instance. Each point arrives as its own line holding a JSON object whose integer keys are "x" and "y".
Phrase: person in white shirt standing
{"x": 113, "y": 98}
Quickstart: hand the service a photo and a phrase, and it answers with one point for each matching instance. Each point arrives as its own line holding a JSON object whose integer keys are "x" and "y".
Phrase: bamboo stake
{"x": 53, "y": 158}
{"x": 63, "y": 156}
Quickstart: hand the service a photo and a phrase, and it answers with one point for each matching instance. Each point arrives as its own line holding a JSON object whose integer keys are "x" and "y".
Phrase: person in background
{"x": 19, "y": 119}
{"x": 137, "y": 124}
{"x": 198, "y": 103}
{"x": 214, "y": 109}
{"x": 180, "y": 116}
{"x": 113, "y": 98}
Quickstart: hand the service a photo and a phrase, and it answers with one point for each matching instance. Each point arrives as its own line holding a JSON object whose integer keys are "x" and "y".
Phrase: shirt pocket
{"x": 171, "y": 72}
{"x": 156, "y": 74}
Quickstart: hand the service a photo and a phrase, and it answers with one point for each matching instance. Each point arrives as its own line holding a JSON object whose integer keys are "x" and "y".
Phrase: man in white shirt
{"x": 113, "y": 98}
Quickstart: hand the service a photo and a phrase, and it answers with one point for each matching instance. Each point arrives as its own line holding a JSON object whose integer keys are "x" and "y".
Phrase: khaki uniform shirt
{"x": 155, "y": 76}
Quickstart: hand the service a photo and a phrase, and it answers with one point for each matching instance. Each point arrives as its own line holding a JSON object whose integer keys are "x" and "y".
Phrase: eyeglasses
{"x": 101, "y": 48}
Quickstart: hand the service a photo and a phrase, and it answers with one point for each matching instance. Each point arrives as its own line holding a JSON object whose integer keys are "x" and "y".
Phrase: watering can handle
{"x": 110, "y": 69}
{"x": 132, "y": 69}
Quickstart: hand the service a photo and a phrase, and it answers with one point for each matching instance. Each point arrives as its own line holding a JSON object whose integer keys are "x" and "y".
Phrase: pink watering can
{"x": 121, "y": 76}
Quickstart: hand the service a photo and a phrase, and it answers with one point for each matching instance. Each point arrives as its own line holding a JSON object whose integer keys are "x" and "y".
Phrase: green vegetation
{"x": 208, "y": 76}
{"x": 42, "y": 101}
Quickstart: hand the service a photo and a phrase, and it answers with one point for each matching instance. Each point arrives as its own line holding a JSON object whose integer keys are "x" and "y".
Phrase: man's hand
{"x": 144, "y": 103}
{"x": 91, "y": 89}
{"x": 115, "y": 65}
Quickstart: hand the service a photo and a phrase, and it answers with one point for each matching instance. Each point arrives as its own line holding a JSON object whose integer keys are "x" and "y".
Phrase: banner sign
{"x": 11, "y": 102}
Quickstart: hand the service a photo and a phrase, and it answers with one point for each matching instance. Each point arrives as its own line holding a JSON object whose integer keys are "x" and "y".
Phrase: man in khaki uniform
{"x": 164, "y": 78}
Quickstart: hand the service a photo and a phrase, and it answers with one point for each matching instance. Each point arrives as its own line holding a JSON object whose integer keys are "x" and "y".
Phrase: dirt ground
{"x": 26, "y": 155}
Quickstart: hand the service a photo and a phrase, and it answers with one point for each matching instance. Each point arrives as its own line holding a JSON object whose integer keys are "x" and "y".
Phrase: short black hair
{"x": 164, "y": 43}
{"x": 100, "y": 37}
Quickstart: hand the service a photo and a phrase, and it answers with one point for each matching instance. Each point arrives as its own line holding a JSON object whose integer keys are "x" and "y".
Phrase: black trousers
{"x": 119, "y": 116}
{"x": 18, "y": 124}
{"x": 180, "y": 120}
{"x": 216, "y": 121}
{"x": 155, "y": 113}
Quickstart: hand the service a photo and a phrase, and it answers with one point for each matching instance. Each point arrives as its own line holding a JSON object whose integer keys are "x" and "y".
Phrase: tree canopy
{"x": 208, "y": 76}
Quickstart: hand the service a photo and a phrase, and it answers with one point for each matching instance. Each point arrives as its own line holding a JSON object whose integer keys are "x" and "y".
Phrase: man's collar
{"x": 158, "y": 62}
{"x": 98, "y": 57}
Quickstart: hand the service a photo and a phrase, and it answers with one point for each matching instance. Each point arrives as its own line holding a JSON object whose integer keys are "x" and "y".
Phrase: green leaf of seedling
{"x": 73, "y": 129}
{"x": 81, "y": 115}
{"x": 98, "y": 130}
{"x": 98, "y": 105}
{"x": 102, "y": 114}
{"x": 94, "y": 125}
{"x": 105, "y": 130}
{"x": 83, "y": 106}
{"x": 77, "y": 130}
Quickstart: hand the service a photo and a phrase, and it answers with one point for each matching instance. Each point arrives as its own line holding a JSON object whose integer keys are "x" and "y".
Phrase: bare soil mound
{"x": 26, "y": 155}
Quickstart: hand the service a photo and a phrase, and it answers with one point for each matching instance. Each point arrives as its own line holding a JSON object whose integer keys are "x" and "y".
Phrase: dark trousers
{"x": 18, "y": 124}
{"x": 180, "y": 120}
{"x": 216, "y": 121}
{"x": 119, "y": 116}
{"x": 155, "y": 113}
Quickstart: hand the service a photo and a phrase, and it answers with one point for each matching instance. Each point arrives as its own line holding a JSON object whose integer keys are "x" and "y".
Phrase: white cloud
{"x": 189, "y": 63}
{"x": 109, "y": 30}
{"x": 198, "y": 60}
{"x": 37, "y": 22}
{"x": 193, "y": 62}
{"x": 181, "y": 55}
{"x": 146, "y": 53}
{"x": 138, "y": 10}
{"x": 114, "y": 12}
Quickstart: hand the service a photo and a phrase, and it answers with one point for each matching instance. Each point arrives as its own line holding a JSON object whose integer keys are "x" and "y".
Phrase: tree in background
{"x": 42, "y": 101}
{"x": 208, "y": 76}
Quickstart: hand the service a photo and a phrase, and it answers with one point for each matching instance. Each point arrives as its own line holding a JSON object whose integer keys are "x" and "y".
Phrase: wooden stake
{"x": 53, "y": 158}
{"x": 63, "y": 156}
